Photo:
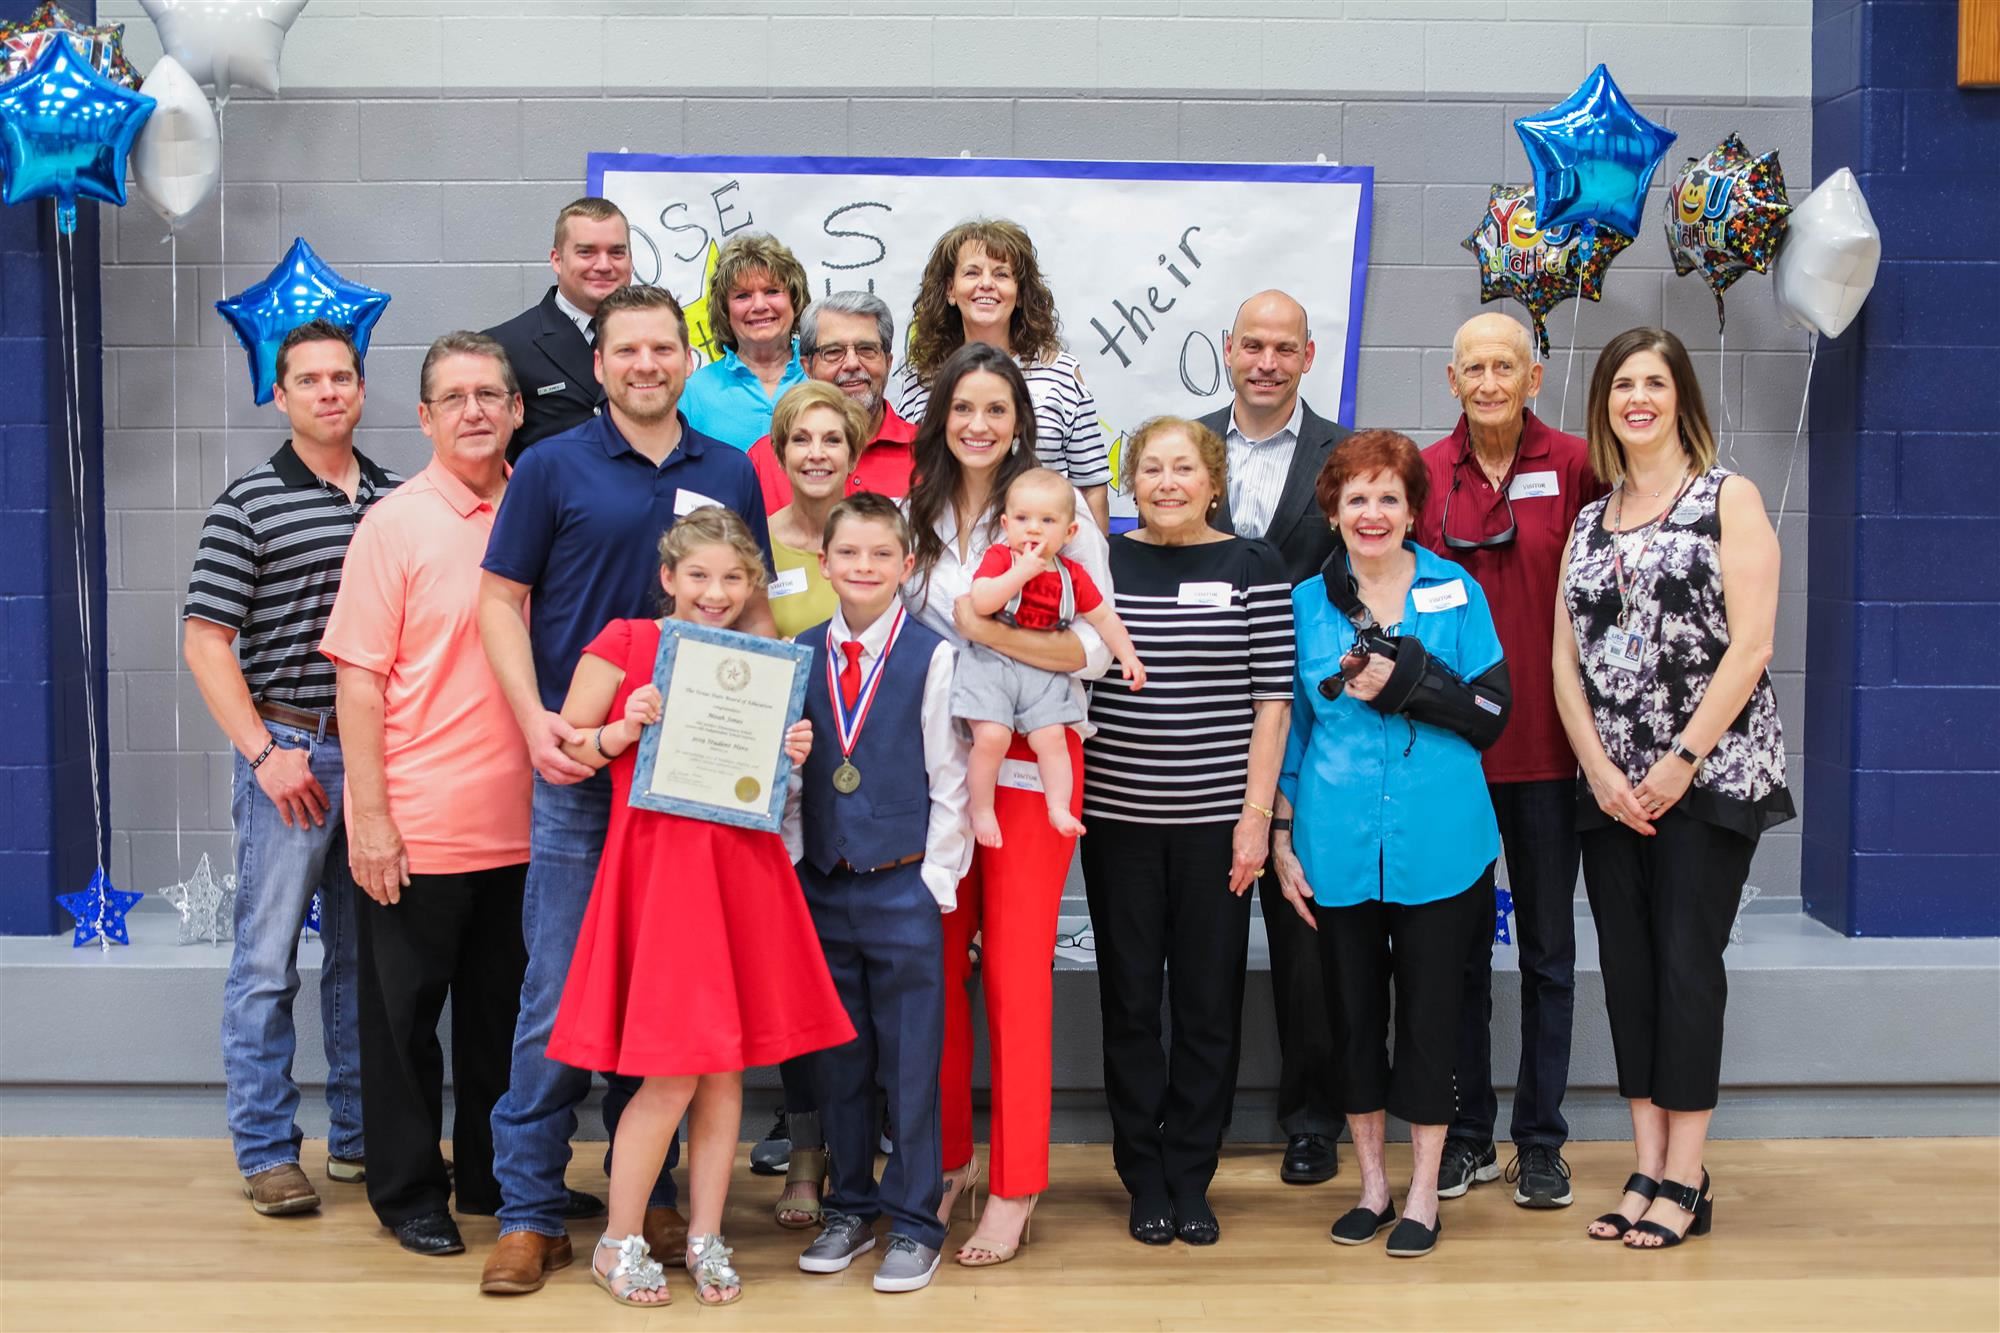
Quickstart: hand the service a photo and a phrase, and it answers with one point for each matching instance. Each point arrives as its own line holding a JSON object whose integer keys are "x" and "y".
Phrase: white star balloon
{"x": 225, "y": 43}
{"x": 178, "y": 157}
{"x": 1826, "y": 267}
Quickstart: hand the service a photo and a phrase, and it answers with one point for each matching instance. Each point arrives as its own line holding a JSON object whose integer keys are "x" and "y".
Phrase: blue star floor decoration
{"x": 312, "y": 914}
{"x": 1503, "y": 907}
{"x": 99, "y": 911}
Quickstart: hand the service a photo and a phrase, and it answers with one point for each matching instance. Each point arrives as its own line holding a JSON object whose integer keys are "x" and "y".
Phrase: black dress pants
{"x": 1419, "y": 952}
{"x": 1165, "y": 921}
{"x": 1664, "y": 906}
{"x": 1309, "y": 1095}
{"x": 1538, "y": 833}
{"x": 450, "y": 934}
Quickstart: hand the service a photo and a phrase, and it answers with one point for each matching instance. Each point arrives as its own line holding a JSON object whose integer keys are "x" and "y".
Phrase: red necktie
{"x": 850, "y": 675}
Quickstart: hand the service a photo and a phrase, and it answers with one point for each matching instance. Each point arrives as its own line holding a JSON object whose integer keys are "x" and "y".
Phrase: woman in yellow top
{"x": 817, "y": 431}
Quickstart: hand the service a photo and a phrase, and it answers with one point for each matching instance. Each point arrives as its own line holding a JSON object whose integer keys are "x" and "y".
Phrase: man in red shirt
{"x": 848, "y": 340}
{"x": 1505, "y": 492}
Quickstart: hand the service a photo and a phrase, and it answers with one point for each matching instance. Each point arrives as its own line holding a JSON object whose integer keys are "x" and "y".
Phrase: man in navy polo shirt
{"x": 580, "y": 533}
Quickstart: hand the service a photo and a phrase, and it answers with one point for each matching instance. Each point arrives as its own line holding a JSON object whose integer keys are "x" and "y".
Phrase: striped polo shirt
{"x": 268, "y": 566}
{"x": 1068, "y": 438}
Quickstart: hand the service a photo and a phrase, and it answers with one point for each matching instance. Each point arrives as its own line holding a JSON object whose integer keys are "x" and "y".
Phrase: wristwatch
{"x": 1679, "y": 750}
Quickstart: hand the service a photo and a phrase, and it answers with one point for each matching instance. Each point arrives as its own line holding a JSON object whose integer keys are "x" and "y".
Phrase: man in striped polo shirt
{"x": 265, "y": 575}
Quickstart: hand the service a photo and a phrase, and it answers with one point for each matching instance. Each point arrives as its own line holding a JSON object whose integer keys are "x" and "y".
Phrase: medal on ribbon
{"x": 848, "y": 723}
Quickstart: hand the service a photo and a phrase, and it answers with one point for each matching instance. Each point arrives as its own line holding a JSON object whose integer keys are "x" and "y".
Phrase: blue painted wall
{"x": 1902, "y": 835}
{"x": 46, "y": 825}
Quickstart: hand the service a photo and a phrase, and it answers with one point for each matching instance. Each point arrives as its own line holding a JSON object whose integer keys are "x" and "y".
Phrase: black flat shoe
{"x": 1310, "y": 1159}
{"x": 1358, "y": 1226}
{"x": 1644, "y": 1186}
{"x": 1698, "y": 1202}
{"x": 1151, "y": 1222}
{"x": 431, "y": 1234}
{"x": 1413, "y": 1240}
{"x": 1197, "y": 1221}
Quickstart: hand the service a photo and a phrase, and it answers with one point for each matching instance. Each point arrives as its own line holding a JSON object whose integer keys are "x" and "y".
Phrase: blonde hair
{"x": 711, "y": 525}
{"x": 1607, "y": 455}
{"x": 1207, "y": 444}
{"x": 741, "y": 256}
{"x": 801, "y": 399}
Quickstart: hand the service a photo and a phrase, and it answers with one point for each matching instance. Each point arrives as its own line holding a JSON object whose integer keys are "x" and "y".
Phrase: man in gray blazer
{"x": 1277, "y": 446}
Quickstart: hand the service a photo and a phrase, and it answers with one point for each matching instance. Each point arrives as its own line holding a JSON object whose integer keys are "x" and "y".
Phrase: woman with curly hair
{"x": 755, "y": 298}
{"x": 983, "y": 284}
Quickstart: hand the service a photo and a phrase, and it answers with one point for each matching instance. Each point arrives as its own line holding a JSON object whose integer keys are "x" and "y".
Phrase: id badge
{"x": 1625, "y": 648}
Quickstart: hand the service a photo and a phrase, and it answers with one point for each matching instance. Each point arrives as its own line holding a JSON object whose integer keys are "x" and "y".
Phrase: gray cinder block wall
{"x": 424, "y": 146}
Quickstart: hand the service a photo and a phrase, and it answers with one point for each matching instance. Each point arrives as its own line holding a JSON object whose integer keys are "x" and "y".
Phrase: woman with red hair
{"x": 1385, "y": 837}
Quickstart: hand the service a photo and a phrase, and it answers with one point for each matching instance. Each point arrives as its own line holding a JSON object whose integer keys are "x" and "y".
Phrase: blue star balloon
{"x": 1593, "y": 156}
{"x": 302, "y": 288}
{"x": 65, "y": 132}
{"x": 1503, "y": 907}
{"x": 99, "y": 910}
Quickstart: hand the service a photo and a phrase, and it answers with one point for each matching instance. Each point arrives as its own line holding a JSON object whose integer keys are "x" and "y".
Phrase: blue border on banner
{"x": 672, "y": 633}
{"x": 1325, "y": 173}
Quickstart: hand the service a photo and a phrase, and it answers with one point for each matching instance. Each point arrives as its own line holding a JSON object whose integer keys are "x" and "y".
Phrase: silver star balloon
{"x": 207, "y": 905}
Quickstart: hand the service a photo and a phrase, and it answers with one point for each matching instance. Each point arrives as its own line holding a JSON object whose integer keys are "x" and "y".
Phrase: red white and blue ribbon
{"x": 849, "y": 724}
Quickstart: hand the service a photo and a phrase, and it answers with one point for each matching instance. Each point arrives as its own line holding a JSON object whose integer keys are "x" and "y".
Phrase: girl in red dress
{"x": 697, "y": 956}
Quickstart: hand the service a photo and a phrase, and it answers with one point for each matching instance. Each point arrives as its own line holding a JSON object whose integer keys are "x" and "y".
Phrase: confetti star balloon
{"x": 102, "y": 45}
{"x": 225, "y": 43}
{"x": 1826, "y": 265}
{"x": 1725, "y": 216}
{"x": 1593, "y": 156}
{"x": 66, "y": 131}
{"x": 99, "y": 911}
{"x": 1540, "y": 268}
{"x": 302, "y": 288}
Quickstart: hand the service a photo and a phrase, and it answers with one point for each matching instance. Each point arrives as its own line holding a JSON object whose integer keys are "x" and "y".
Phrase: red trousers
{"x": 1010, "y": 899}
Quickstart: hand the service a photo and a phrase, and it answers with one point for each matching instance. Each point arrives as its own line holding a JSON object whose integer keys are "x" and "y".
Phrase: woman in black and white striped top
{"x": 1178, "y": 787}
{"x": 982, "y": 283}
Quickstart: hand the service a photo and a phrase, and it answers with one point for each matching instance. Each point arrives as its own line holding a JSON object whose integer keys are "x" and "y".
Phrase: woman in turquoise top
{"x": 755, "y": 297}
{"x": 1385, "y": 836}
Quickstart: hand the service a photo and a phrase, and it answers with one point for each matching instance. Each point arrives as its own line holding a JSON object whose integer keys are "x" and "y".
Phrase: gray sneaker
{"x": 843, "y": 1239}
{"x": 907, "y": 1266}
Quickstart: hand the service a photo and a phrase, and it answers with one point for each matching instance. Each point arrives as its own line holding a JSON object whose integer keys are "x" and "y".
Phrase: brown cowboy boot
{"x": 280, "y": 1191}
{"x": 522, "y": 1262}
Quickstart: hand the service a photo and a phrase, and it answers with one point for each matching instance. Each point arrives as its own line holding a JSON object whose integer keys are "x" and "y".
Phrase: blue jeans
{"x": 534, "y": 1120}
{"x": 277, "y": 870}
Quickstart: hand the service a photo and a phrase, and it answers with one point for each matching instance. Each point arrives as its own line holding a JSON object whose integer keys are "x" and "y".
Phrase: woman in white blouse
{"x": 978, "y": 434}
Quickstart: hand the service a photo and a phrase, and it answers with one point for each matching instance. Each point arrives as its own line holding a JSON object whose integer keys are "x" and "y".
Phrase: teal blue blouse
{"x": 726, "y": 401}
{"x": 1386, "y": 809}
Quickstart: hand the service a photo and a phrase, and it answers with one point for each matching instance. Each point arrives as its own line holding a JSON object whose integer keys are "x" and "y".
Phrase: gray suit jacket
{"x": 1298, "y": 529}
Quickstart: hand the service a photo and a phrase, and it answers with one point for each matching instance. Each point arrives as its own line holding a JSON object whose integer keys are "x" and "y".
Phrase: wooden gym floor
{"x": 1869, "y": 1234}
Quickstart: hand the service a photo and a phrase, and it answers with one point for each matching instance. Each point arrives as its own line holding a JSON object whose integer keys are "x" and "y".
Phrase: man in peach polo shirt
{"x": 438, "y": 790}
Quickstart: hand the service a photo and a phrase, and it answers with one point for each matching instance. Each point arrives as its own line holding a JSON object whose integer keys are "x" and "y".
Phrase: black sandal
{"x": 1642, "y": 1185}
{"x": 1196, "y": 1224}
{"x": 1699, "y": 1202}
{"x": 1151, "y": 1222}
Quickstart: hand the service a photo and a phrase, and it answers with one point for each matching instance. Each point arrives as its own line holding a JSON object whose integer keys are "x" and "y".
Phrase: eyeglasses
{"x": 491, "y": 402}
{"x": 1483, "y": 543}
{"x": 834, "y": 353}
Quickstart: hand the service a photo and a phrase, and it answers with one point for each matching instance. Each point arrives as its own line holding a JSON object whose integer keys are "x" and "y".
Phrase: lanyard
{"x": 849, "y": 725}
{"x": 1652, "y": 530}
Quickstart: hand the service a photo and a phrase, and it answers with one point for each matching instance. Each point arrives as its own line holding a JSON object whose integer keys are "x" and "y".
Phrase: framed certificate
{"x": 718, "y": 750}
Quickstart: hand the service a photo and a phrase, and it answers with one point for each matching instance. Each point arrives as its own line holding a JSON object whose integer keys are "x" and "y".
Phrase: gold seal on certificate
{"x": 718, "y": 750}
{"x": 846, "y": 779}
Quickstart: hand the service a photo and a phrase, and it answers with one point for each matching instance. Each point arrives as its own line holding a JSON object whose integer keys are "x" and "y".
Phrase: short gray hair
{"x": 847, "y": 303}
{"x": 464, "y": 342}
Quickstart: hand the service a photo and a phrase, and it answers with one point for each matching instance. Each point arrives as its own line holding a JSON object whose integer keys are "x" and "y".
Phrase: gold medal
{"x": 846, "y": 779}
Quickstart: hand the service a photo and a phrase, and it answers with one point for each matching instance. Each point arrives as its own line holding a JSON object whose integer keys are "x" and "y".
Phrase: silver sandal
{"x": 636, "y": 1265}
{"x": 708, "y": 1264}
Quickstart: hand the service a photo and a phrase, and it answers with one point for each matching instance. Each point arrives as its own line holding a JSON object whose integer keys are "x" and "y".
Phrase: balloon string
{"x": 1722, "y": 388}
{"x": 173, "y": 611}
{"x": 222, "y": 262}
{"x": 1562, "y": 413}
{"x": 73, "y": 433}
{"x": 1798, "y": 431}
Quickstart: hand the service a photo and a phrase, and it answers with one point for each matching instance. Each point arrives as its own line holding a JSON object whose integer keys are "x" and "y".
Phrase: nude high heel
{"x": 990, "y": 1252}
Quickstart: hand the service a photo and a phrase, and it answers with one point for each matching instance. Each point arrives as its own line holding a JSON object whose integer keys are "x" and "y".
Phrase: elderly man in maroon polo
{"x": 1505, "y": 491}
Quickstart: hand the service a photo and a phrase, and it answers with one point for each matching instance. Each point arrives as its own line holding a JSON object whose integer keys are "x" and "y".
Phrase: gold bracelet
{"x": 1263, "y": 810}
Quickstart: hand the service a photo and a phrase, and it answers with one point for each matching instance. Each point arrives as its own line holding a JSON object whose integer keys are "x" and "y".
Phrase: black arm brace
{"x": 1426, "y": 690}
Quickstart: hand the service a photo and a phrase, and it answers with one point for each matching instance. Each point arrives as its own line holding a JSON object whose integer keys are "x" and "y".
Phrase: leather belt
{"x": 910, "y": 860}
{"x": 321, "y": 725}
